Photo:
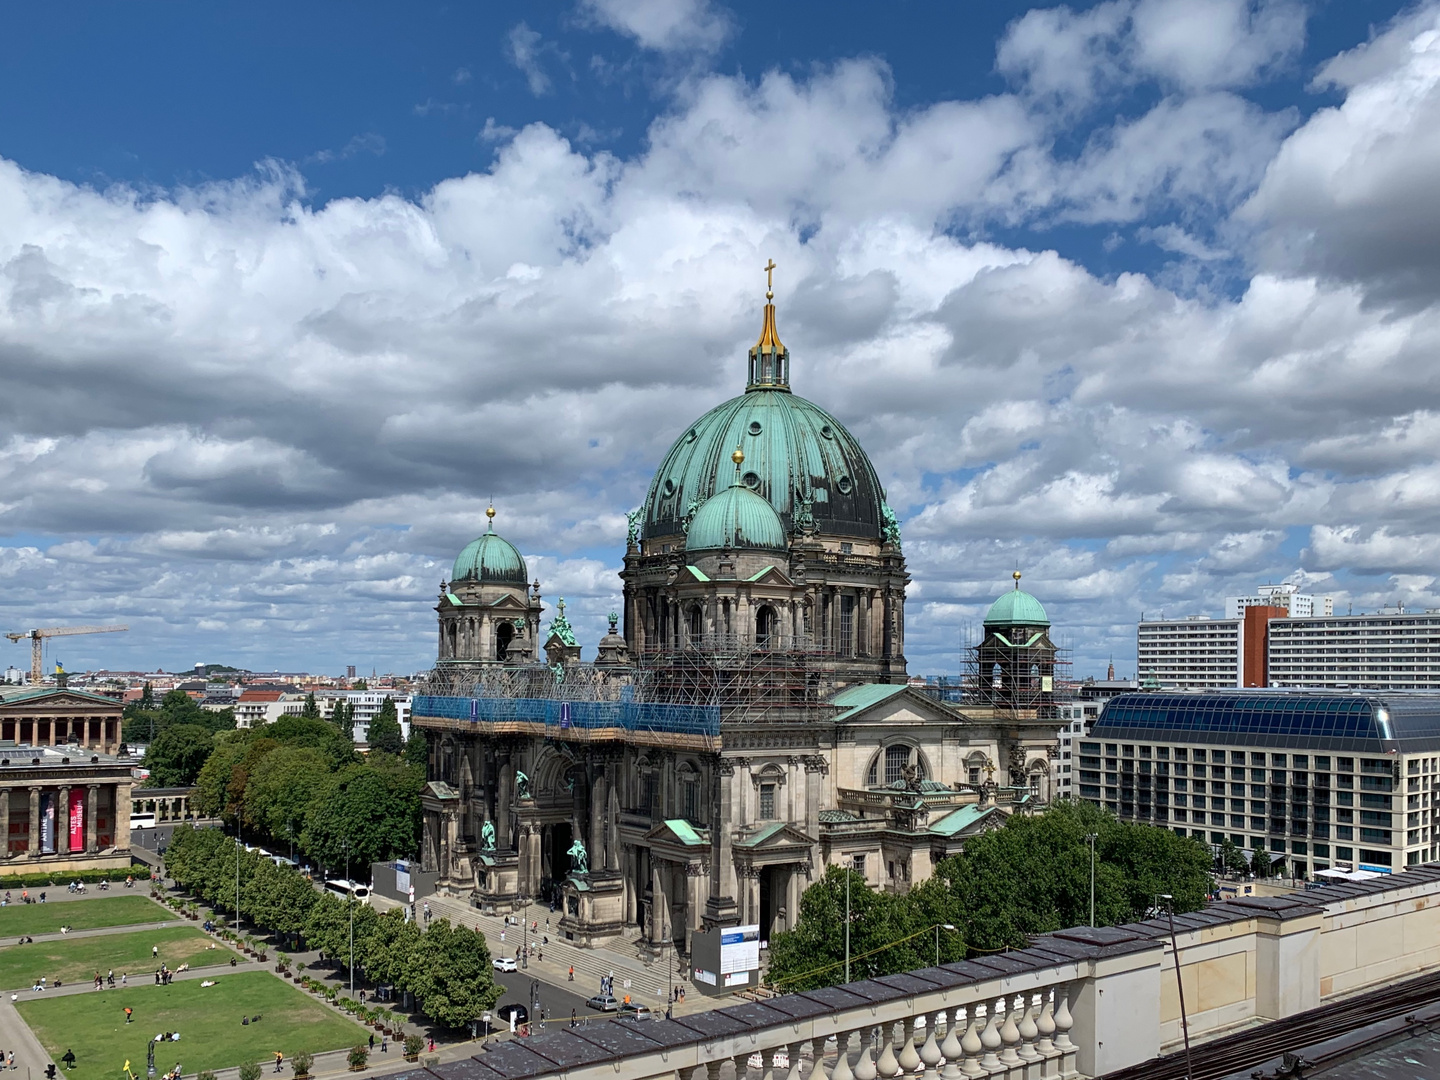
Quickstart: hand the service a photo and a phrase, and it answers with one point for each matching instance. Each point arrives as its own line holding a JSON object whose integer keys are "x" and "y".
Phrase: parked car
{"x": 639, "y": 1012}
{"x": 504, "y": 963}
{"x": 522, "y": 1014}
{"x": 603, "y": 1003}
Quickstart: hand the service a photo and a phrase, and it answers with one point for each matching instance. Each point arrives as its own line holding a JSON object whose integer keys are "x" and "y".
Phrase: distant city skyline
{"x": 1139, "y": 297}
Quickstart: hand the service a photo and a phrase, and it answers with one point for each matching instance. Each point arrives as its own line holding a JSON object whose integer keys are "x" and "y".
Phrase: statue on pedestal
{"x": 487, "y": 836}
{"x": 579, "y": 860}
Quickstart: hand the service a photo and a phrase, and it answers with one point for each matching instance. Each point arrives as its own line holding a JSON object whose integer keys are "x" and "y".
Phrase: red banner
{"x": 77, "y": 819}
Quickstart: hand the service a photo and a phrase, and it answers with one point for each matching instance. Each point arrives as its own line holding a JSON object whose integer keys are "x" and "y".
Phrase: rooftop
{"x": 21, "y": 754}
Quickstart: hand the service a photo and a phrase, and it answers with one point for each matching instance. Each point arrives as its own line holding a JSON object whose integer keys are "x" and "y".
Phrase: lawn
{"x": 207, "y": 1018}
{"x": 78, "y": 959}
{"x": 17, "y": 918}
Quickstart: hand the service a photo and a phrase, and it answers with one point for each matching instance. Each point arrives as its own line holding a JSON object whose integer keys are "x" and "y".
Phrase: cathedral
{"x": 748, "y": 719}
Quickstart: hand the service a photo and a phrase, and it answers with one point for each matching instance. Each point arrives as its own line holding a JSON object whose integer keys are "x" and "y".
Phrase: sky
{"x": 1141, "y": 297}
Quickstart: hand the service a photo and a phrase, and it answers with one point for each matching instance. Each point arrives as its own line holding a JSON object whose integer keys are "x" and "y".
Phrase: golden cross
{"x": 769, "y": 274}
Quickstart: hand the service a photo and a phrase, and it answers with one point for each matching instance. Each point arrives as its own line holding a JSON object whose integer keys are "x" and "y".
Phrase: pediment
{"x": 48, "y": 701}
{"x": 677, "y": 832}
{"x": 507, "y": 603}
{"x": 772, "y": 575}
{"x": 779, "y": 836}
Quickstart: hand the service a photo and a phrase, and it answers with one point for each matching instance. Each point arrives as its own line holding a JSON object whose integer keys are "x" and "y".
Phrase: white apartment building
{"x": 1299, "y": 605}
{"x": 1193, "y": 653}
{"x": 1390, "y": 651}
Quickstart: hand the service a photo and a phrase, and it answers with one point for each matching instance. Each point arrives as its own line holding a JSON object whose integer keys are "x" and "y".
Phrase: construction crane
{"x": 37, "y": 641}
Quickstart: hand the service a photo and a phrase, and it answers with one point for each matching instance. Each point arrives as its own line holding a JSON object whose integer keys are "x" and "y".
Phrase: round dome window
{"x": 844, "y": 485}
{"x": 750, "y": 480}
{"x": 669, "y": 486}
{"x": 827, "y": 431}
{"x": 755, "y": 427}
{"x": 690, "y": 435}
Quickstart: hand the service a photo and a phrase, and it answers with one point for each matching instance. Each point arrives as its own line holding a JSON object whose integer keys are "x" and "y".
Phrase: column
{"x": 1009, "y": 1034}
{"x": 886, "y": 1065}
{"x": 930, "y": 1052}
{"x": 842, "y": 1069}
{"x": 865, "y": 1068}
{"x": 62, "y": 822}
{"x": 4, "y": 825}
{"x": 742, "y": 1065}
{"x": 951, "y": 1047}
{"x": 34, "y": 822}
{"x": 970, "y": 1044}
{"x": 92, "y": 810}
{"x": 909, "y": 1058}
{"x": 792, "y": 1050}
{"x": 990, "y": 1042}
{"x": 659, "y": 904}
{"x": 817, "y": 1058}
{"x": 121, "y": 829}
{"x": 1029, "y": 1032}
{"x": 1063, "y": 1023}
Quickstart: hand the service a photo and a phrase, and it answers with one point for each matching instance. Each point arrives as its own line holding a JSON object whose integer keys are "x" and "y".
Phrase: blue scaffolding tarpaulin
{"x": 584, "y": 715}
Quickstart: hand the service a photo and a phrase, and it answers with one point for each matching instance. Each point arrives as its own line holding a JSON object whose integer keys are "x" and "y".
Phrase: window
{"x": 857, "y": 863}
{"x": 690, "y": 788}
{"x": 846, "y": 548}
{"x": 767, "y": 802}
{"x": 847, "y": 625}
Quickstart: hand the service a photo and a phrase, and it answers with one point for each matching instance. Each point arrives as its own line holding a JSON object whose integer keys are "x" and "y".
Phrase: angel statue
{"x": 579, "y": 861}
{"x": 632, "y": 523}
{"x": 522, "y": 785}
{"x": 487, "y": 836}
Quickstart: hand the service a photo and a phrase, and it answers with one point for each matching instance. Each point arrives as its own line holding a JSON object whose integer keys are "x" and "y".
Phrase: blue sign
{"x": 565, "y": 714}
{"x": 474, "y": 709}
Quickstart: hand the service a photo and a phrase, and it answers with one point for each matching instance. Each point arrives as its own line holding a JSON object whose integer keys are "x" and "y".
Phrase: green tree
{"x": 374, "y": 806}
{"x": 311, "y": 709}
{"x": 281, "y": 787}
{"x": 177, "y": 755}
{"x": 417, "y": 748}
{"x": 147, "y": 697}
{"x": 1232, "y": 858}
{"x": 212, "y": 797}
{"x": 886, "y": 935}
{"x": 384, "y": 735}
{"x": 450, "y": 973}
{"x": 313, "y": 732}
{"x": 359, "y": 684}
{"x": 386, "y": 949}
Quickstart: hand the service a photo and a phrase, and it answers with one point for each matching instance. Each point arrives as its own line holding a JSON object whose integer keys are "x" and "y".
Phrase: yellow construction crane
{"x": 37, "y": 641}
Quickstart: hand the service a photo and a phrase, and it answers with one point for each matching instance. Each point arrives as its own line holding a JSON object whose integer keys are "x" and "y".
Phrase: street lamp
{"x": 1179, "y": 983}
{"x": 1090, "y": 839}
{"x": 525, "y": 933}
{"x": 938, "y": 928}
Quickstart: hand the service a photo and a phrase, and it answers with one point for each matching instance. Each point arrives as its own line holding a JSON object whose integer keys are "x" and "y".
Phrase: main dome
{"x": 491, "y": 560}
{"x": 794, "y": 451}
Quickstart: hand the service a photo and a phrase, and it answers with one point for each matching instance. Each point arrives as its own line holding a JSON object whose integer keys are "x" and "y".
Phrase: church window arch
{"x": 696, "y": 620}
{"x": 689, "y": 783}
{"x": 504, "y": 634}
{"x": 975, "y": 768}
{"x": 889, "y": 763}
{"x": 767, "y": 624}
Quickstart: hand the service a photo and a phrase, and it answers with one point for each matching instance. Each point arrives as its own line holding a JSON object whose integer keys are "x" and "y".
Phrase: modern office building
{"x": 1319, "y": 779}
{"x": 1078, "y": 717}
{"x": 1287, "y": 597}
{"x": 1391, "y": 651}
{"x": 1193, "y": 653}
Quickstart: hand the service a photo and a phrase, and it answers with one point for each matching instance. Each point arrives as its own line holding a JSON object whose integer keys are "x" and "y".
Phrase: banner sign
{"x": 47, "y": 823}
{"x": 77, "y": 819}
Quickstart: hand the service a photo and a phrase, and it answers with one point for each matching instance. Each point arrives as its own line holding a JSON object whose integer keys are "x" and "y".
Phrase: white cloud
{"x": 527, "y": 51}
{"x": 665, "y": 26}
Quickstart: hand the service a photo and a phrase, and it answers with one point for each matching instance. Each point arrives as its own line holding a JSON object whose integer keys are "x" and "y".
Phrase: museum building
{"x": 746, "y": 721}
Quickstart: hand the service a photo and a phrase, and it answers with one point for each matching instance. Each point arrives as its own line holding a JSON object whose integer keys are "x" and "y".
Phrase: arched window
{"x": 504, "y": 634}
{"x": 995, "y": 678}
{"x": 696, "y": 619}
{"x": 766, "y": 624}
{"x": 893, "y": 760}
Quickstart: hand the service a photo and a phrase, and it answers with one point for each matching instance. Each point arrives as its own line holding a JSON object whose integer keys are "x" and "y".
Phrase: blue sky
{"x": 1140, "y": 296}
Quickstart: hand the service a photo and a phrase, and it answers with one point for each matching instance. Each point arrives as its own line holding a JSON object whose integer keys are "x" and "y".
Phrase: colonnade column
{"x": 92, "y": 813}
{"x": 4, "y": 825}
{"x": 34, "y": 849}
{"x": 120, "y": 832}
{"x": 62, "y": 822}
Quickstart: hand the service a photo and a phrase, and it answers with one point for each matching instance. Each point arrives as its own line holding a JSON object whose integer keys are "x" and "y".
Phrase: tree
{"x": 311, "y": 709}
{"x": 212, "y": 796}
{"x": 384, "y": 735}
{"x": 313, "y": 732}
{"x": 374, "y": 806}
{"x": 147, "y": 697}
{"x": 281, "y": 787}
{"x": 417, "y": 748}
{"x": 450, "y": 973}
{"x": 359, "y": 684}
{"x": 387, "y": 947}
{"x": 177, "y": 755}
{"x": 1232, "y": 858}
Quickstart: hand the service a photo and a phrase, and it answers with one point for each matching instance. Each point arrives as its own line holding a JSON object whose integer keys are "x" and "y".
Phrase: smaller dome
{"x": 1016, "y": 608}
{"x": 736, "y": 517}
{"x": 490, "y": 560}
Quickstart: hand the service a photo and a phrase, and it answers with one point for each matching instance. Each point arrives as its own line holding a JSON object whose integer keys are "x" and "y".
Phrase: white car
{"x": 504, "y": 963}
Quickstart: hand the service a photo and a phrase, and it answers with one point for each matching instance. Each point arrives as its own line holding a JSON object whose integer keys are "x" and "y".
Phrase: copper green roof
{"x": 31, "y": 693}
{"x": 763, "y": 835}
{"x": 957, "y": 821}
{"x": 798, "y": 457}
{"x": 854, "y": 698}
{"x": 490, "y": 560}
{"x": 684, "y": 831}
{"x": 1016, "y": 608}
{"x": 736, "y": 518}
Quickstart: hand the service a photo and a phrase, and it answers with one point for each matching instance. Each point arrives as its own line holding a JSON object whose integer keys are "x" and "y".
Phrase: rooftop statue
{"x": 487, "y": 836}
{"x": 522, "y": 785}
{"x": 579, "y": 860}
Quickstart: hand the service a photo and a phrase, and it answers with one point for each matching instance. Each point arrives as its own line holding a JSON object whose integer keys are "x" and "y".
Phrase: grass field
{"x": 207, "y": 1018}
{"x": 17, "y": 918}
{"x": 78, "y": 959}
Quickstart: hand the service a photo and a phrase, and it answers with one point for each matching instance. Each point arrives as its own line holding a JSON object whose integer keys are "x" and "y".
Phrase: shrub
{"x": 301, "y": 1063}
{"x": 206, "y": 1075}
{"x": 357, "y": 1057}
{"x": 414, "y": 1044}
{"x": 250, "y": 1071}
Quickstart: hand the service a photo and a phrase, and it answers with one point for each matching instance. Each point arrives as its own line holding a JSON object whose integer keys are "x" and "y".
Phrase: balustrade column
{"x": 951, "y": 1047}
{"x": 1009, "y": 1034}
{"x": 990, "y": 1041}
{"x": 886, "y": 1065}
{"x": 742, "y": 1065}
{"x": 930, "y": 1052}
{"x": 909, "y": 1058}
{"x": 865, "y": 1068}
{"x": 842, "y": 1069}
{"x": 970, "y": 1044}
{"x": 1063, "y": 1023}
{"x": 712, "y": 1069}
{"x": 817, "y": 1059}
{"x": 793, "y": 1052}
{"x": 1045, "y": 1025}
{"x": 1028, "y": 1031}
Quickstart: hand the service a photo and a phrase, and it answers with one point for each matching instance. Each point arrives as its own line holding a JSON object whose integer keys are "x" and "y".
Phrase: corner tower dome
{"x": 797, "y": 456}
{"x": 490, "y": 559}
{"x": 1016, "y": 608}
{"x": 735, "y": 518}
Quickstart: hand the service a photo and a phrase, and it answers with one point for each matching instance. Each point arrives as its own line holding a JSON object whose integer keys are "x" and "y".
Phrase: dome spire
{"x": 769, "y": 359}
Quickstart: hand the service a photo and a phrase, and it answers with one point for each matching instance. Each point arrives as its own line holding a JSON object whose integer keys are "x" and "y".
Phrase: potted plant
{"x": 250, "y": 1071}
{"x": 413, "y": 1045}
{"x": 357, "y": 1057}
{"x": 299, "y": 967}
{"x": 301, "y": 1063}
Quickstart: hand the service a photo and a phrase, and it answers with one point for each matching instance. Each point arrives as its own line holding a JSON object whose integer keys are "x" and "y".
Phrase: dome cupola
{"x": 735, "y": 518}
{"x": 1016, "y": 608}
{"x": 490, "y": 560}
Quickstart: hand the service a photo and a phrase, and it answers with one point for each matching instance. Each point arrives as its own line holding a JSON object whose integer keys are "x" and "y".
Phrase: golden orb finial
{"x": 490, "y": 512}
{"x": 738, "y": 457}
{"x": 1016, "y": 576}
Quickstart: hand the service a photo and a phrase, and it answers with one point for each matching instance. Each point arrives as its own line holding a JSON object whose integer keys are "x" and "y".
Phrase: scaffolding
{"x": 1016, "y": 680}
{"x": 775, "y": 680}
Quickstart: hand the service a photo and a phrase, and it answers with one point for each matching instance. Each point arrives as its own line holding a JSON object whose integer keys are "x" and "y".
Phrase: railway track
{"x": 1249, "y": 1049}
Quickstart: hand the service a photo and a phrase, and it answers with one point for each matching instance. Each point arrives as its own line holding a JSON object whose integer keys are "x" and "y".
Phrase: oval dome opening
{"x": 755, "y": 427}
{"x": 750, "y": 480}
{"x": 827, "y": 431}
{"x": 690, "y": 435}
{"x": 845, "y": 485}
{"x": 669, "y": 486}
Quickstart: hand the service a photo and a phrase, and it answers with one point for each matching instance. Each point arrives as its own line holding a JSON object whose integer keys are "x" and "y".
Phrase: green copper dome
{"x": 490, "y": 560}
{"x": 1016, "y": 608}
{"x": 794, "y": 451}
{"x": 737, "y": 517}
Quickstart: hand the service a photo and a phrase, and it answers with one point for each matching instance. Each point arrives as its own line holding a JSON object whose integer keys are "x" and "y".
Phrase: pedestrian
{"x": 432, "y": 1044}
{"x": 124, "y": 977}
{"x": 669, "y": 1012}
{"x": 11, "y": 1059}
{"x": 572, "y": 1017}
{"x": 572, "y": 972}
{"x": 372, "y": 1042}
{"x": 384, "y": 1044}
{"x": 154, "y": 951}
{"x": 279, "y": 1057}
{"x": 129, "y": 1013}
{"x": 69, "y": 1059}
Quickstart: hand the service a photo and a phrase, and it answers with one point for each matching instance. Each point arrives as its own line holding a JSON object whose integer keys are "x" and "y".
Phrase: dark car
{"x": 603, "y": 1003}
{"x": 522, "y": 1014}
